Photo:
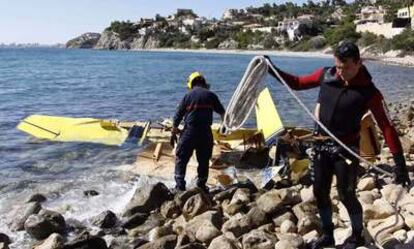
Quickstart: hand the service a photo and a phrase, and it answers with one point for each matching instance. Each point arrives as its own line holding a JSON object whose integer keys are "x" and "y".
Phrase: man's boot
{"x": 326, "y": 240}
{"x": 354, "y": 241}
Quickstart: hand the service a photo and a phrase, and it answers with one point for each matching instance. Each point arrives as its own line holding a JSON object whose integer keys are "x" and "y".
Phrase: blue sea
{"x": 122, "y": 85}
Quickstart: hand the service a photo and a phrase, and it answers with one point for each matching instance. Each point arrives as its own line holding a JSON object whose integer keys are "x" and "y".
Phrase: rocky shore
{"x": 282, "y": 215}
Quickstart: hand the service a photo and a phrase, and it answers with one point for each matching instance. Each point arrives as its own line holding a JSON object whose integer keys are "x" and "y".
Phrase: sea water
{"x": 122, "y": 85}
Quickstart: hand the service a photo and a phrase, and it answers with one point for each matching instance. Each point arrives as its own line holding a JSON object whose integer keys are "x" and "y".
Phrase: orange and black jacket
{"x": 197, "y": 108}
{"x": 342, "y": 107}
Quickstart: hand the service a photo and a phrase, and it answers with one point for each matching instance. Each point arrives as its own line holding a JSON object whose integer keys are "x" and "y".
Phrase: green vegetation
{"x": 404, "y": 41}
{"x": 126, "y": 30}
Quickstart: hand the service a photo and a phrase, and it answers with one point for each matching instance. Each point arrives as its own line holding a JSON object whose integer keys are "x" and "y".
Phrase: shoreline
{"x": 407, "y": 61}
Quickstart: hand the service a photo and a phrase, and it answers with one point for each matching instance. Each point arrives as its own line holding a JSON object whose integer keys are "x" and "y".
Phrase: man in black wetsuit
{"x": 346, "y": 94}
{"x": 196, "y": 108}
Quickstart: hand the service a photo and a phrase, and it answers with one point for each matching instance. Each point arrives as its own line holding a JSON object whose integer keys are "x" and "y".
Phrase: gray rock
{"x": 284, "y": 244}
{"x": 87, "y": 40}
{"x": 383, "y": 229}
{"x": 241, "y": 225}
{"x": 228, "y": 44}
{"x": 154, "y": 220}
{"x": 294, "y": 239}
{"x": 159, "y": 232}
{"x": 166, "y": 242}
{"x": 211, "y": 219}
{"x": 288, "y": 227}
{"x": 152, "y": 43}
{"x": 279, "y": 219}
{"x": 223, "y": 243}
{"x": 274, "y": 200}
{"x": 303, "y": 210}
{"x": 148, "y": 198}
{"x": 54, "y": 241}
{"x": 86, "y": 241}
{"x": 225, "y": 194}
{"x": 22, "y": 213}
{"x": 182, "y": 198}
{"x": 367, "y": 183}
{"x": 308, "y": 224}
{"x": 134, "y": 221}
{"x": 39, "y": 227}
{"x": 192, "y": 246}
{"x": 207, "y": 232}
{"x": 110, "y": 40}
{"x": 37, "y": 198}
{"x": 55, "y": 218}
{"x": 196, "y": 205}
{"x": 106, "y": 219}
{"x": 258, "y": 239}
{"x": 170, "y": 209}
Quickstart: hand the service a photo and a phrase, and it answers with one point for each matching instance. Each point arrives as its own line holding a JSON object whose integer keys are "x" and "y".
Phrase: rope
{"x": 244, "y": 98}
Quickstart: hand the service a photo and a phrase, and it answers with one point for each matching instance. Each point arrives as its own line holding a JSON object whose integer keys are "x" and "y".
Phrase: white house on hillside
{"x": 370, "y": 14}
{"x": 407, "y": 12}
{"x": 291, "y": 25}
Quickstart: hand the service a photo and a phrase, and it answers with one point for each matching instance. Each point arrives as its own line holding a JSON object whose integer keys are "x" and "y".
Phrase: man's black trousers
{"x": 346, "y": 172}
{"x": 200, "y": 140}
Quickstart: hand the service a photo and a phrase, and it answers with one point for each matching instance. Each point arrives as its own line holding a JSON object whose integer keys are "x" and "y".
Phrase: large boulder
{"x": 87, "y": 40}
{"x": 106, "y": 219}
{"x": 86, "y": 241}
{"x": 39, "y": 227}
{"x": 148, "y": 198}
{"x": 205, "y": 226}
{"x": 154, "y": 220}
{"x": 21, "y": 213}
{"x": 134, "y": 221}
{"x": 239, "y": 225}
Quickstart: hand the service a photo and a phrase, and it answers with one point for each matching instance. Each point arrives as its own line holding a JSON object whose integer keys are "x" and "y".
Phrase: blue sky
{"x": 56, "y": 21}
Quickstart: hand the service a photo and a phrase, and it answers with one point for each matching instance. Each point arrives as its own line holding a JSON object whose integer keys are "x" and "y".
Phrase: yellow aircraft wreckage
{"x": 251, "y": 153}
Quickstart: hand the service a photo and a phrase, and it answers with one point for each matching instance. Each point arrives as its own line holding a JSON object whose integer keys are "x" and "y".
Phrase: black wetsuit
{"x": 196, "y": 108}
{"x": 341, "y": 109}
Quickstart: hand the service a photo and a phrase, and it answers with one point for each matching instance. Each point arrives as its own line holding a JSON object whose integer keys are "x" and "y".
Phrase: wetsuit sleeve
{"x": 180, "y": 112}
{"x": 217, "y": 106}
{"x": 300, "y": 82}
{"x": 380, "y": 112}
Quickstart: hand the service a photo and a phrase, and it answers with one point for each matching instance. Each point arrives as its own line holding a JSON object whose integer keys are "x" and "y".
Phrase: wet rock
{"x": 75, "y": 226}
{"x": 22, "y": 213}
{"x": 54, "y": 241}
{"x": 86, "y": 241}
{"x": 4, "y": 239}
{"x": 170, "y": 210}
{"x": 258, "y": 239}
{"x": 37, "y": 198}
{"x": 91, "y": 192}
{"x": 106, "y": 219}
{"x": 166, "y": 242}
{"x": 148, "y": 198}
{"x": 223, "y": 243}
{"x": 55, "y": 218}
{"x": 134, "y": 221}
{"x": 154, "y": 220}
{"x": 196, "y": 205}
{"x": 40, "y": 227}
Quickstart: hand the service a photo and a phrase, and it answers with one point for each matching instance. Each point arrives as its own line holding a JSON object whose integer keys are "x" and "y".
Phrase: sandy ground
{"x": 407, "y": 61}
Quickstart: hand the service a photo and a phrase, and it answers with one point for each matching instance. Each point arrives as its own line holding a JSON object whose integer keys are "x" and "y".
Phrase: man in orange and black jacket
{"x": 346, "y": 94}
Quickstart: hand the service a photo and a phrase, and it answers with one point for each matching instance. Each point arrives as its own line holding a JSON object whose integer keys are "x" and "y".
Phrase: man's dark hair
{"x": 347, "y": 50}
{"x": 199, "y": 81}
